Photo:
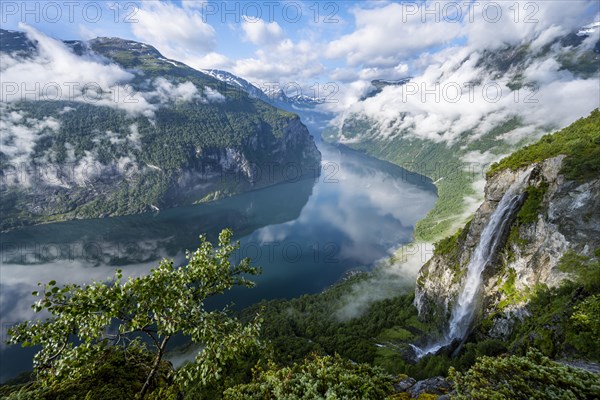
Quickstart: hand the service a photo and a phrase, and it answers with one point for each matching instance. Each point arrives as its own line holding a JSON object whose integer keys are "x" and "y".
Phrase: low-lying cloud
{"x": 20, "y": 133}
{"x": 457, "y": 94}
{"x": 54, "y": 73}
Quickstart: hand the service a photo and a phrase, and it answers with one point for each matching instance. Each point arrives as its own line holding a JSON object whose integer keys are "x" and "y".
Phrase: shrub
{"x": 92, "y": 322}
{"x": 328, "y": 377}
{"x": 531, "y": 377}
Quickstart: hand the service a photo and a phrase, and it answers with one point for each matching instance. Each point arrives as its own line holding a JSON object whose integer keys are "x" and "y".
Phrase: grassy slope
{"x": 579, "y": 142}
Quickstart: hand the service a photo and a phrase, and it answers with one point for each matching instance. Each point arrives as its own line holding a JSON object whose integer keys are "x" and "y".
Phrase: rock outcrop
{"x": 436, "y": 386}
{"x": 558, "y": 215}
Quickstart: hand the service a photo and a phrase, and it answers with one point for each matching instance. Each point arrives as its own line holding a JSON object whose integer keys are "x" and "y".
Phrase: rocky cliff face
{"x": 557, "y": 215}
{"x": 259, "y": 162}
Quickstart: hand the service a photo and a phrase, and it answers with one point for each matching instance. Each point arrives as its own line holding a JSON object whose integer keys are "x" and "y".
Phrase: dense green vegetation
{"x": 449, "y": 246}
{"x": 312, "y": 324}
{"x": 531, "y": 377}
{"x": 533, "y": 205}
{"x": 579, "y": 142}
{"x": 169, "y": 140}
{"x": 106, "y": 161}
{"x": 307, "y": 344}
{"x": 563, "y": 321}
{"x": 316, "y": 378}
{"x": 95, "y": 140}
{"x": 115, "y": 375}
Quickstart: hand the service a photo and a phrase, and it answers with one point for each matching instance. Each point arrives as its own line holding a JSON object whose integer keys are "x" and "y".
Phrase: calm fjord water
{"x": 305, "y": 235}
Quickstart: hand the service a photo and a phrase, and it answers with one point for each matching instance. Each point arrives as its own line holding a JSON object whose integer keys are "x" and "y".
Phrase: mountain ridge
{"x": 272, "y": 95}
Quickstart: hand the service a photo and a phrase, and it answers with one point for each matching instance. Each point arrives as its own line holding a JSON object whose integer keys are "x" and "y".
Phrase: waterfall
{"x": 464, "y": 308}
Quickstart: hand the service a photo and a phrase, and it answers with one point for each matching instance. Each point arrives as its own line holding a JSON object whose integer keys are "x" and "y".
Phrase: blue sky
{"x": 86, "y": 19}
{"x": 310, "y": 42}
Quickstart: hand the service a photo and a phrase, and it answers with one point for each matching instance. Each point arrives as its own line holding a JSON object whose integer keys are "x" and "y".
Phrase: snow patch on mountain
{"x": 267, "y": 93}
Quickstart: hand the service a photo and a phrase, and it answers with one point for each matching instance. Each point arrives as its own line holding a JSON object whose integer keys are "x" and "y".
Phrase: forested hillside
{"x": 147, "y": 133}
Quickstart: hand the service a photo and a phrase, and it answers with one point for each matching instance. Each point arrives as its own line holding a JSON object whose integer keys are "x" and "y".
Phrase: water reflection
{"x": 123, "y": 241}
{"x": 305, "y": 235}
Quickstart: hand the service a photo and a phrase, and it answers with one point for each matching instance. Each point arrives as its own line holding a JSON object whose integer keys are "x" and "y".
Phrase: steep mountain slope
{"x": 556, "y": 224}
{"x": 469, "y": 108}
{"x": 134, "y": 132}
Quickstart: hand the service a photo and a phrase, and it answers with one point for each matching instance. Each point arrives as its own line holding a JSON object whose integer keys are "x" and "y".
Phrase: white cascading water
{"x": 464, "y": 308}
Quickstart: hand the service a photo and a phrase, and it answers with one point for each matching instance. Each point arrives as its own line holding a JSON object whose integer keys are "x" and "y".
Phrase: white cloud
{"x": 412, "y": 110}
{"x": 210, "y": 60}
{"x": 479, "y": 158}
{"x": 391, "y": 34}
{"x": 134, "y": 136}
{"x": 87, "y": 33}
{"x": 548, "y": 36}
{"x": 56, "y": 73}
{"x": 386, "y": 35}
{"x": 186, "y": 38}
{"x": 67, "y": 109}
{"x": 285, "y": 62}
{"x": 178, "y": 33}
{"x": 86, "y": 169}
{"x": 57, "y": 64}
{"x": 260, "y": 32}
{"x": 213, "y": 96}
{"x": 166, "y": 91}
{"x": 522, "y": 133}
{"x": 396, "y": 72}
{"x": 563, "y": 102}
{"x": 590, "y": 42}
{"x": 522, "y": 21}
{"x": 127, "y": 166}
{"x": 20, "y": 133}
{"x": 545, "y": 71}
{"x": 368, "y": 74}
